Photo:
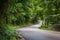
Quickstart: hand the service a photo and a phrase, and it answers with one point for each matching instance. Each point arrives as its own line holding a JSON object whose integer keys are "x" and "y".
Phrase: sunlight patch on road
{"x": 28, "y": 29}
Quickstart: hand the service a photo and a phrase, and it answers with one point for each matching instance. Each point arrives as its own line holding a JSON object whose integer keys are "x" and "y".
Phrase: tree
{"x": 4, "y": 8}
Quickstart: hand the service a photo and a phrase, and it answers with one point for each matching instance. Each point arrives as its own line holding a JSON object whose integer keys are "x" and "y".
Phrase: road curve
{"x": 33, "y": 33}
{"x": 36, "y": 34}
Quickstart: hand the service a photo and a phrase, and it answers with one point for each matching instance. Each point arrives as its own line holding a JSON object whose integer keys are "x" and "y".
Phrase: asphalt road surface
{"x": 33, "y": 33}
{"x": 36, "y": 34}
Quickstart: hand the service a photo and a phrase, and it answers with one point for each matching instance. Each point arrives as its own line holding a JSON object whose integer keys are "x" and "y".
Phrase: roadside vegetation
{"x": 55, "y": 27}
{"x": 20, "y": 13}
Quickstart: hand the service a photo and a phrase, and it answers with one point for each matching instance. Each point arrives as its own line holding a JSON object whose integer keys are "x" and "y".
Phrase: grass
{"x": 47, "y": 28}
{"x": 50, "y": 28}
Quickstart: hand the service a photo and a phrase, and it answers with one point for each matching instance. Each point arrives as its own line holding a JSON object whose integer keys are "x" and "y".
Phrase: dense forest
{"x": 14, "y": 13}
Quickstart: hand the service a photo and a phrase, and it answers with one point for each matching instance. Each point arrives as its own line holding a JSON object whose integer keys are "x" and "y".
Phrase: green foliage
{"x": 25, "y": 12}
{"x": 50, "y": 13}
{"x": 5, "y": 5}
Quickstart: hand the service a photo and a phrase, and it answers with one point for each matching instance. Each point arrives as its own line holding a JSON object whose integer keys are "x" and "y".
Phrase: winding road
{"x": 31, "y": 33}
